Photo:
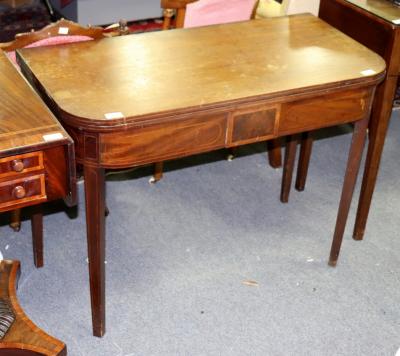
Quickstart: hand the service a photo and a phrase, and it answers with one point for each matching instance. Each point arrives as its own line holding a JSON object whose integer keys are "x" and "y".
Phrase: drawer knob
{"x": 17, "y": 165}
{"x": 19, "y": 192}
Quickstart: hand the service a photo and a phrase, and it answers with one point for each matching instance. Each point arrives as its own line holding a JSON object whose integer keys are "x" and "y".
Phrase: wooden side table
{"x": 375, "y": 24}
{"x": 37, "y": 162}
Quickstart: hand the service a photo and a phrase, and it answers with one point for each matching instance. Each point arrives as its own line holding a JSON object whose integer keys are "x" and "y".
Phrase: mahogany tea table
{"x": 135, "y": 100}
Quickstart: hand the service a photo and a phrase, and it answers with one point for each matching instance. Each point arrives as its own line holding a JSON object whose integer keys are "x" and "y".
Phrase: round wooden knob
{"x": 19, "y": 192}
{"x": 17, "y": 165}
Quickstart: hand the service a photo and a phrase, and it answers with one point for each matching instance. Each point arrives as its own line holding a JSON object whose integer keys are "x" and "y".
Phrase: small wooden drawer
{"x": 254, "y": 124}
{"x": 23, "y": 191}
{"x": 14, "y": 165}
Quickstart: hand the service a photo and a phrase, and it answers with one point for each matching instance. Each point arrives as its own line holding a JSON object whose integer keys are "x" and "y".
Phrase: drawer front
{"x": 324, "y": 111}
{"x": 15, "y": 165}
{"x": 254, "y": 124}
{"x": 174, "y": 139}
{"x": 23, "y": 191}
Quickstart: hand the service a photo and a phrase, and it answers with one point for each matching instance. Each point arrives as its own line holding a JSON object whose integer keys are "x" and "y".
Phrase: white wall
{"x": 103, "y": 12}
{"x": 300, "y": 6}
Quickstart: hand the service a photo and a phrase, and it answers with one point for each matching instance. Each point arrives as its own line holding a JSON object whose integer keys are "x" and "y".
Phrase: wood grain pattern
{"x": 24, "y": 120}
{"x": 230, "y": 68}
{"x": 24, "y": 338}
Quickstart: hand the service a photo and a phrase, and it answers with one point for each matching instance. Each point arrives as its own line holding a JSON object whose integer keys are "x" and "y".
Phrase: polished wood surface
{"x": 23, "y": 338}
{"x": 37, "y": 161}
{"x": 371, "y": 23}
{"x": 235, "y": 84}
{"x": 205, "y": 78}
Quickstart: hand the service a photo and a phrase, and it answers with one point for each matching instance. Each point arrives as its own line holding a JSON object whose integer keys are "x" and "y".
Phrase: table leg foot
{"x": 332, "y": 263}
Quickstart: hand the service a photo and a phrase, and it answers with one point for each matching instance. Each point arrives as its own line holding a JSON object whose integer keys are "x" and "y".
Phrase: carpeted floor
{"x": 179, "y": 254}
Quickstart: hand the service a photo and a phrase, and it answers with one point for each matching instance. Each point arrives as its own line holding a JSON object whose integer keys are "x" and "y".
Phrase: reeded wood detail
{"x": 24, "y": 338}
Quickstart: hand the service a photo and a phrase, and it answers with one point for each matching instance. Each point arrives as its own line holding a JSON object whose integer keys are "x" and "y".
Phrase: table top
{"x": 25, "y": 121}
{"x": 384, "y": 9}
{"x": 133, "y": 78}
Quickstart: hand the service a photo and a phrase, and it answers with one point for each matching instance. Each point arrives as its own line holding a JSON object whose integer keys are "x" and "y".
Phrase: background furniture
{"x": 113, "y": 127}
{"x": 23, "y": 338}
{"x": 22, "y": 19}
{"x": 63, "y": 31}
{"x": 375, "y": 24}
{"x": 37, "y": 161}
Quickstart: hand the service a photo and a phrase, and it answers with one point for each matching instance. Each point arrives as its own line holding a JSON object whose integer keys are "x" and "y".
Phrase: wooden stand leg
{"x": 158, "y": 172}
{"x": 353, "y": 165}
{"x": 37, "y": 235}
{"x": 290, "y": 155}
{"x": 377, "y": 133}
{"x": 95, "y": 222}
{"x": 274, "y": 153}
{"x": 15, "y": 219}
{"x": 304, "y": 160}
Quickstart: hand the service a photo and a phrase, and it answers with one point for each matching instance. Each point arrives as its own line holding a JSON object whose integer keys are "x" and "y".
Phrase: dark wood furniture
{"x": 37, "y": 161}
{"x": 62, "y": 29}
{"x": 23, "y": 338}
{"x": 375, "y": 24}
{"x": 228, "y": 89}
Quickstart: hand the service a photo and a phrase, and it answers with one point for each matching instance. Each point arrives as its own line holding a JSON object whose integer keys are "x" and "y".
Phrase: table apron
{"x": 192, "y": 133}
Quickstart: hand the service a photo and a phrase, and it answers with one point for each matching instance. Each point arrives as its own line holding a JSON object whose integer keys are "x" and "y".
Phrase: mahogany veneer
{"x": 134, "y": 100}
{"x": 37, "y": 161}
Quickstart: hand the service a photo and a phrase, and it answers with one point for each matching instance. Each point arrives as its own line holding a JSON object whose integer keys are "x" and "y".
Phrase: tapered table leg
{"x": 304, "y": 160}
{"x": 377, "y": 132}
{"x": 287, "y": 174}
{"x": 353, "y": 166}
{"x": 37, "y": 235}
{"x": 95, "y": 222}
{"x": 274, "y": 153}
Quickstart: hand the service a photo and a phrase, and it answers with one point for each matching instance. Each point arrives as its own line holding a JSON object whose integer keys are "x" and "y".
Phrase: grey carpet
{"x": 179, "y": 252}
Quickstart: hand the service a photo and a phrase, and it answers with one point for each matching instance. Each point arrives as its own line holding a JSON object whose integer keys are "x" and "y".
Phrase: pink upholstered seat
{"x": 211, "y": 12}
{"x": 51, "y": 41}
